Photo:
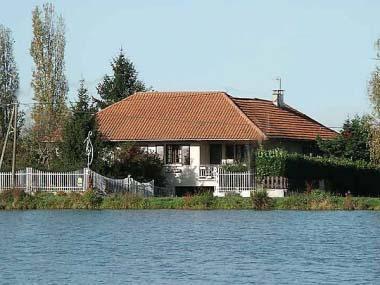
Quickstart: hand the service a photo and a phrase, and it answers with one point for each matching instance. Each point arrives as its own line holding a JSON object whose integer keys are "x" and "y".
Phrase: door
{"x": 215, "y": 153}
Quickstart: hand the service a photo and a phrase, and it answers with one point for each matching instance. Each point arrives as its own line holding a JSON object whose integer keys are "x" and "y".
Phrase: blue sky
{"x": 323, "y": 50}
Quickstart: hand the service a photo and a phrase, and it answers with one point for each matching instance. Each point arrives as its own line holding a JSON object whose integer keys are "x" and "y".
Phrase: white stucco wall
{"x": 188, "y": 175}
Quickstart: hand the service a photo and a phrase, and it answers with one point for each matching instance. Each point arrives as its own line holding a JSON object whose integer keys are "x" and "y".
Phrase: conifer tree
{"x": 123, "y": 83}
{"x": 81, "y": 121}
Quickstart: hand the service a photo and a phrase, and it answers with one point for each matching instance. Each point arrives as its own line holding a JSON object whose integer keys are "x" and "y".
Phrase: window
{"x": 176, "y": 154}
{"x": 238, "y": 152}
{"x": 144, "y": 148}
{"x": 230, "y": 151}
{"x": 158, "y": 150}
{"x": 186, "y": 154}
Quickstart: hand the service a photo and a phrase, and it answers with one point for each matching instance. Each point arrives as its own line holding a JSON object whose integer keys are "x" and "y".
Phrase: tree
{"x": 9, "y": 79}
{"x": 374, "y": 96}
{"x": 48, "y": 80}
{"x": 81, "y": 121}
{"x": 352, "y": 142}
{"x": 123, "y": 83}
{"x": 128, "y": 159}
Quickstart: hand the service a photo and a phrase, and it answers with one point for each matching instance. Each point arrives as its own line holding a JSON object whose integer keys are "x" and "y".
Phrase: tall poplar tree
{"x": 374, "y": 96}
{"x": 48, "y": 81}
{"x": 123, "y": 83}
{"x": 9, "y": 78}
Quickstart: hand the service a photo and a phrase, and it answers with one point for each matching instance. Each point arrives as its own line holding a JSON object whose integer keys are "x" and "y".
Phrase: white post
{"x": 28, "y": 178}
{"x": 85, "y": 179}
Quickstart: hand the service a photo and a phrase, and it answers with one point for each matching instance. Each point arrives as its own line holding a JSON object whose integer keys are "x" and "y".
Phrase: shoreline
{"x": 89, "y": 200}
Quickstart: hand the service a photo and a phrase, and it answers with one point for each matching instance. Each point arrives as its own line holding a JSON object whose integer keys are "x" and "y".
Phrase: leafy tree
{"x": 9, "y": 78}
{"x": 48, "y": 79}
{"x": 374, "y": 96}
{"x": 123, "y": 83}
{"x": 128, "y": 159}
{"x": 352, "y": 142}
{"x": 82, "y": 120}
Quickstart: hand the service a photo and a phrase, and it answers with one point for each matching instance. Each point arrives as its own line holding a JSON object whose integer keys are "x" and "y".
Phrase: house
{"x": 196, "y": 132}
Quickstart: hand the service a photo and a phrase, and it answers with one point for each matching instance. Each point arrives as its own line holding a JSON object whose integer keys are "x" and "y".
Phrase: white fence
{"x": 274, "y": 182}
{"x": 235, "y": 181}
{"x": 128, "y": 184}
{"x": 32, "y": 180}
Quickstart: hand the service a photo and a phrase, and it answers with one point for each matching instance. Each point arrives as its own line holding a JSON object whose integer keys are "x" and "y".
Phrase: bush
{"x": 91, "y": 200}
{"x": 348, "y": 204}
{"x": 342, "y": 175}
{"x": 235, "y": 167}
{"x": 261, "y": 200}
{"x": 203, "y": 200}
{"x": 131, "y": 160}
{"x": 125, "y": 201}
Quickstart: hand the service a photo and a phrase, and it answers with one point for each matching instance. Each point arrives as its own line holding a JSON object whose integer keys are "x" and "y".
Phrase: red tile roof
{"x": 285, "y": 122}
{"x": 168, "y": 116}
{"x": 155, "y": 116}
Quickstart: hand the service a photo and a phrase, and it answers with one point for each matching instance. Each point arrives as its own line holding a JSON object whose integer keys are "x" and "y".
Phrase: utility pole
{"x": 14, "y": 145}
{"x": 6, "y": 138}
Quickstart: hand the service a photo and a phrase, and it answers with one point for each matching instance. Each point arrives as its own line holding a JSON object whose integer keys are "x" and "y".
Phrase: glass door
{"x": 215, "y": 153}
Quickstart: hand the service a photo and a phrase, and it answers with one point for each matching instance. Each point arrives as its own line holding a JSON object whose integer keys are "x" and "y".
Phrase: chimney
{"x": 278, "y": 95}
{"x": 278, "y": 98}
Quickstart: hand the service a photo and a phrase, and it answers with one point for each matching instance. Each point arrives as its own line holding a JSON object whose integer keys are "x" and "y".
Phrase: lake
{"x": 189, "y": 247}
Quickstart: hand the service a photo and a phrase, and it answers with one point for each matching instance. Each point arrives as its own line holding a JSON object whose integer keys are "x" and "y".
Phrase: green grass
{"x": 316, "y": 200}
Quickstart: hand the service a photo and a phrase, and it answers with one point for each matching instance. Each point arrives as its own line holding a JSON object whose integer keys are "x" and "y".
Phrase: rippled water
{"x": 189, "y": 247}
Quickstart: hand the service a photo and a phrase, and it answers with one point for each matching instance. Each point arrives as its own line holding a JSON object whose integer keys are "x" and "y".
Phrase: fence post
{"x": 28, "y": 178}
{"x": 85, "y": 178}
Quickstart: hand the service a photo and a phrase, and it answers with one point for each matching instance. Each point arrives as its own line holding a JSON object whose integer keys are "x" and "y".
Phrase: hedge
{"x": 340, "y": 175}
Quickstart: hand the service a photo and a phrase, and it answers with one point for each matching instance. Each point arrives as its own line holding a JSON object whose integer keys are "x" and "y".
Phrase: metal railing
{"x": 32, "y": 180}
{"x": 208, "y": 171}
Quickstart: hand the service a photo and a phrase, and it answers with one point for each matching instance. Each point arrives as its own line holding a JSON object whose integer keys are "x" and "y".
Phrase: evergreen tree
{"x": 82, "y": 120}
{"x": 123, "y": 83}
{"x": 9, "y": 79}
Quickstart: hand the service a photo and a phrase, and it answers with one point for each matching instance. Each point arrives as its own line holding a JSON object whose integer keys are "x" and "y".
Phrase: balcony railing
{"x": 208, "y": 172}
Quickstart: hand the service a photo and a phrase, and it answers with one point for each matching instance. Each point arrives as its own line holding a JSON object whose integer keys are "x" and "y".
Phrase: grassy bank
{"x": 316, "y": 200}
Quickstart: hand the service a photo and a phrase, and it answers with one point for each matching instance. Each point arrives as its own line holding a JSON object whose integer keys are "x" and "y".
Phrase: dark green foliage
{"x": 352, "y": 142}
{"x": 131, "y": 160}
{"x": 261, "y": 200}
{"x": 123, "y": 83}
{"x": 341, "y": 175}
{"x": 81, "y": 121}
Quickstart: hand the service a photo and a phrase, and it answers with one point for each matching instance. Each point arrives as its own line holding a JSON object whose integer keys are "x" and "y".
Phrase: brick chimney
{"x": 278, "y": 98}
{"x": 278, "y": 95}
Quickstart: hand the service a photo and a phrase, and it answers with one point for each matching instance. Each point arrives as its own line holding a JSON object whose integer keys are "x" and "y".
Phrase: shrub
{"x": 348, "y": 204}
{"x": 232, "y": 201}
{"x": 261, "y": 200}
{"x": 342, "y": 175}
{"x": 91, "y": 200}
{"x": 235, "y": 167}
{"x": 204, "y": 200}
{"x": 128, "y": 159}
